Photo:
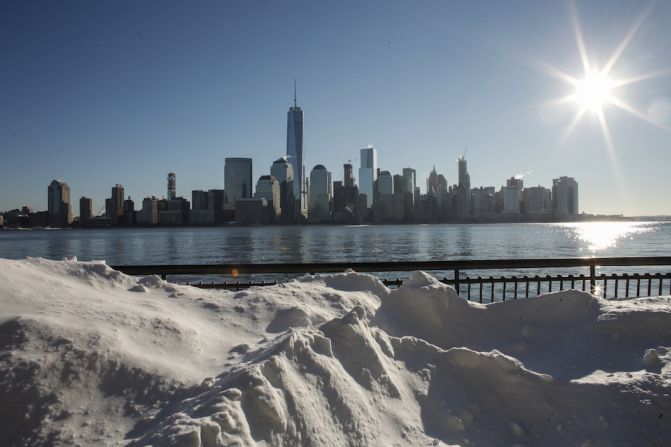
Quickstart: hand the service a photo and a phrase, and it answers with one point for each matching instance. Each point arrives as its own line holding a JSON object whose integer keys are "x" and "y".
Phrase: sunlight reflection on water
{"x": 603, "y": 235}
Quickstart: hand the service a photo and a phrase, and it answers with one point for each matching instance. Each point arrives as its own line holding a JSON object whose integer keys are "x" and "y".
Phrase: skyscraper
{"x": 283, "y": 172}
{"x": 267, "y": 187}
{"x": 348, "y": 175}
{"x": 237, "y": 180}
{"x": 295, "y": 152}
{"x": 385, "y": 183}
{"x": 172, "y": 186}
{"x": 60, "y": 214}
{"x": 85, "y": 209}
{"x": 116, "y": 204}
{"x": 320, "y": 194}
{"x": 464, "y": 177}
{"x": 463, "y": 190}
{"x": 368, "y": 174}
{"x": 565, "y": 196}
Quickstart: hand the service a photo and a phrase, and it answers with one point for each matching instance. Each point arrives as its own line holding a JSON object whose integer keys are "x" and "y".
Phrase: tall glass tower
{"x": 237, "y": 180}
{"x": 295, "y": 151}
{"x": 368, "y": 173}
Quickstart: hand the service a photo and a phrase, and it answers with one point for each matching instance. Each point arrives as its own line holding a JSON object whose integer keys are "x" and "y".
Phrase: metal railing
{"x": 481, "y": 288}
{"x": 487, "y": 288}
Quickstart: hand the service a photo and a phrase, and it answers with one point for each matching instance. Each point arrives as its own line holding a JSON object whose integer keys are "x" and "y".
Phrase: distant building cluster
{"x": 285, "y": 194}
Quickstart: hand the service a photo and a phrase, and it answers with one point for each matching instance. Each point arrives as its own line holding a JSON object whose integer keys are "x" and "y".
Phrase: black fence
{"x": 466, "y": 276}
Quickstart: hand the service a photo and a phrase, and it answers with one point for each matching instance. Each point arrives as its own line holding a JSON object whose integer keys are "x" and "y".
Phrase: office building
{"x": 348, "y": 176}
{"x": 116, "y": 204}
{"x": 174, "y": 212}
{"x": 128, "y": 217}
{"x": 368, "y": 174}
{"x": 149, "y": 213}
{"x": 483, "y": 201}
{"x": 216, "y": 203}
{"x": 345, "y": 194}
{"x": 60, "y": 214}
{"x": 536, "y": 200}
{"x": 565, "y": 196}
{"x": 237, "y": 180}
{"x": 85, "y": 209}
{"x": 283, "y": 172}
{"x": 199, "y": 200}
{"x": 385, "y": 183}
{"x": 320, "y": 195}
{"x": 295, "y": 155}
{"x": 200, "y": 213}
{"x": 172, "y": 186}
{"x": 436, "y": 186}
{"x": 463, "y": 190}
{"x": 511, "y": 195}
{"x": 267, "y": 187}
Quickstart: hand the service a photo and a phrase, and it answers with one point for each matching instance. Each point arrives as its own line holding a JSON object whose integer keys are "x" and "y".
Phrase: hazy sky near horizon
{"x": 98, "y": 93}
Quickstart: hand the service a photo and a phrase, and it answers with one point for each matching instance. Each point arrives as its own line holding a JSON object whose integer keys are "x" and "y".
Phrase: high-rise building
{"x": 199, "y": 200}
{"x": 483, "y": 201}
{"x": 348, "y": 179}
{"x": 60, "y": 214}
{"x": 436, "y": 186}
{"x": 149, "y": 213}
{"x": 237, "y": 180}
{"x": 268, "y": 188}
{"x": 463, "y": 189}
{"x": 116, "y": 204}
{"x": 172, "y": 186}
{"x": 283, "y": 172}
{"x": 565, "y": 196}
{"x": 536, "y": 200}
{"x": 345, "y": 195}
{"x": 128, "y": 217}
{"x": 320, "y": 194}
{"x": 215, "y": 203}
{"x": 368, "y": 174}
{"x": 85, "y": 209}
{"x": 464, "y": 177}
{"x": 295, "y": 153}
{"x": 512, "y": 195}
{"x": 385, "y": 183}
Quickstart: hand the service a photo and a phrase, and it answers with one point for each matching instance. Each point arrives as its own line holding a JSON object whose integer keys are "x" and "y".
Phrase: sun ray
{"x": 593, "y": 91}
{"x": 641, "y": 77}
{"x": 579, "y": 39}
{"x": 558, "y": 102}
{"x": 574, "y": 122}
{"x": 551, "y": 70}
{"x": 637, "y": 113}
{"x": 609, "y": 143}
{"x": 627, "y": 38}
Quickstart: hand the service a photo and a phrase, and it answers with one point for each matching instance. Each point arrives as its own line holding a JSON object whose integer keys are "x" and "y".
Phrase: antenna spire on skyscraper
{"x": 295, "y": 92}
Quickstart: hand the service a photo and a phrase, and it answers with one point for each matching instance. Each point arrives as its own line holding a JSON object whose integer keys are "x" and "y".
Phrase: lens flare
{"x": 595, "y": 90}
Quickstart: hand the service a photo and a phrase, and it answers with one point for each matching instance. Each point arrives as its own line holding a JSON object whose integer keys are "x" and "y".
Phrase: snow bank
{"x": 89, "y": 356}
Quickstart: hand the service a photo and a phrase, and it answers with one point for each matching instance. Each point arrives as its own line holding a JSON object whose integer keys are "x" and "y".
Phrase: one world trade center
{"x": 295, "y": 152}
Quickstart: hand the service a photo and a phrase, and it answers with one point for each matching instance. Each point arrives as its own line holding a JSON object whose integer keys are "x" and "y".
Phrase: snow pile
{"x": 89, "y": 356}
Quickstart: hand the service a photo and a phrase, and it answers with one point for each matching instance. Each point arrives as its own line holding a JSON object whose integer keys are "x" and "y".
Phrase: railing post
{"x": 456, "y": 280}
{"x": 592, "y": 278}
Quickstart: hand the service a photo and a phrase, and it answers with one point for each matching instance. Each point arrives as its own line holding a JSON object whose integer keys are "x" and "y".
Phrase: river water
{"x": 341, "y": 243}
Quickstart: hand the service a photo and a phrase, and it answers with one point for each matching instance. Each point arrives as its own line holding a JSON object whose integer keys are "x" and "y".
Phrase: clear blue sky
{"x": 98, "y": 93}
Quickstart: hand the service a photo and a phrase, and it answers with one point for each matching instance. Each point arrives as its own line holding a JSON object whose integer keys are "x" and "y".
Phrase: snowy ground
{"x": 89, "y": 356}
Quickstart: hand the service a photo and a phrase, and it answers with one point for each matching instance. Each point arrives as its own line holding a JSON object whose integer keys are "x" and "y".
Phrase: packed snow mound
{"x": 89, "y": 356}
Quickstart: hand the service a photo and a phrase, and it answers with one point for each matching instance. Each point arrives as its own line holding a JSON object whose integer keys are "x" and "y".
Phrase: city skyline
{"x": 114, "y": 106}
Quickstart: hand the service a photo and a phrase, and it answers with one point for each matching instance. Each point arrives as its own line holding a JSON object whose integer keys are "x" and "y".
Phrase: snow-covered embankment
{"x": 91, "y": 356}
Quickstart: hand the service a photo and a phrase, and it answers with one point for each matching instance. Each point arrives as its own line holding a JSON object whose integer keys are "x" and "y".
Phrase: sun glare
{"x": 594, "y": 92}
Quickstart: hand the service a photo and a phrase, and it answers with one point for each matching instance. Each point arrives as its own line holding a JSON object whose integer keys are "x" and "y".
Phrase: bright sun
{"x": 594, "y": 91}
